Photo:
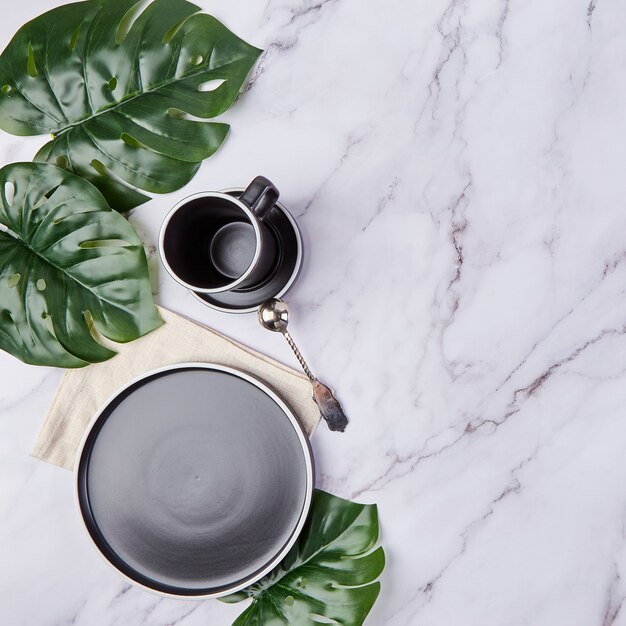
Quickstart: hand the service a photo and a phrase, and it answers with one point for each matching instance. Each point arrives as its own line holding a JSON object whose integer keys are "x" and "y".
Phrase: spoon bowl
{"x": 274, "y": 315}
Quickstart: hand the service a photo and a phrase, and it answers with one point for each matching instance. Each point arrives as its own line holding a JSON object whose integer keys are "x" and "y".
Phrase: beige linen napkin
{"x": 83, "y": 391}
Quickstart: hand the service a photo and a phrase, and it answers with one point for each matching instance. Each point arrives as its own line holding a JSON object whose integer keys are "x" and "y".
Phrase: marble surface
{"x": 457, "y": 170}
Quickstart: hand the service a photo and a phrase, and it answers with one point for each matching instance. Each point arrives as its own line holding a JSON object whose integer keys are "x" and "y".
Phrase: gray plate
{"x": 194, "y": 480}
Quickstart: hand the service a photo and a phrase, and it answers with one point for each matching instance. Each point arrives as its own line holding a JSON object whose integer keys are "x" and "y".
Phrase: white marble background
{"x": 458, "y": 172}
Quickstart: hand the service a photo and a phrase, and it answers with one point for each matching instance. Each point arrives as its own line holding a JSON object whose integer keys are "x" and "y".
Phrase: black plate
{"x": 195, "y": 480}
{"x": 284, "y": 228}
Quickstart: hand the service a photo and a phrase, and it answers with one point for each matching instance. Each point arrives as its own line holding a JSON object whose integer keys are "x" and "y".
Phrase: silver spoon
{"x": 274, "y": 315}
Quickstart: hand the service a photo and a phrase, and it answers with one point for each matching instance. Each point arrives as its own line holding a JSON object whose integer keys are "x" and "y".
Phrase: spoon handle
{"x": 292, "y": 345}
{"x": 329, "y": 406}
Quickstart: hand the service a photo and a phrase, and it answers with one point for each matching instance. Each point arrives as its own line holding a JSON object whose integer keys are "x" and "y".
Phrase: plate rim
{"x": 309, "y": 466}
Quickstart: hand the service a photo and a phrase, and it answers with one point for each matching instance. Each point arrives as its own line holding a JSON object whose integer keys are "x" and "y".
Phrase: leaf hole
{"x": 112, "y": 84}
{"x": 211, "y": 85}
{"x": 127, "y": 22}
{"x": 74, "y": 37}
{"x": 51, "y": 192}
{"x": 62, "y": 161}
{"x": 129, "y": 140}
{"x": 322, "y": 619}
{"x": 9, "y": 193}
{"x": 177, "y": 114}
{"x": 289, "y": 600}
{"x": 197, "y": 59}
{"x": 31, "y": 66}
{"x": 105, "y": 243}
{"x": 7, "y": 89}
{"x": 41, "y": 285}
{"x": 49, "y": 324}
{"x": 171, "y": 33}
{"x": 99, "y": 167}
{"x": 40, "y": 203}
{"x": 14, "y": 280}
{"x": 44, "y": 198}
{"x": 91, "y": 325}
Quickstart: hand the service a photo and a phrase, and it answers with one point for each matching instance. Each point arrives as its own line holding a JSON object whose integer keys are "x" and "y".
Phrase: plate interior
{"x": 192, "y": 481}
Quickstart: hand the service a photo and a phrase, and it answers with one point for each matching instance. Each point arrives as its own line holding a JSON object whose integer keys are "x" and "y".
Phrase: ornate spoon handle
{"x": 329, "y": 407}
{"x": 294, "y": 347}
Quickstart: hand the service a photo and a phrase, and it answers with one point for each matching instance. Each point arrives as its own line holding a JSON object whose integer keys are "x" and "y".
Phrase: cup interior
{"x": 232, "y": 248}
{"x": 209, "y": 242}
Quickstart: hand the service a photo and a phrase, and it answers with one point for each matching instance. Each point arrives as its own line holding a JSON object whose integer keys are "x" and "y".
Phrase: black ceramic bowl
{"x": 194, "y": 480}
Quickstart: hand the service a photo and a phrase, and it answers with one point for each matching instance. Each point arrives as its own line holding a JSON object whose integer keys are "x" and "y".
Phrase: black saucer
{"x": 285, "y": 229}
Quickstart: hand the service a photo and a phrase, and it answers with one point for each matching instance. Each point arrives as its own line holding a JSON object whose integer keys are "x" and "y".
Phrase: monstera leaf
{"x": 328, "y": 576}
{"x": 69, "y": 266}
{"x": 121, "y": 86}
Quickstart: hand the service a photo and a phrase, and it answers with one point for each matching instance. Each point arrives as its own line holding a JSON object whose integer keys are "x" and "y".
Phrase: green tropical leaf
{"x": 327, "y": 577}
{"x": 124, "y": 88}
{"x": 70, "y": 267}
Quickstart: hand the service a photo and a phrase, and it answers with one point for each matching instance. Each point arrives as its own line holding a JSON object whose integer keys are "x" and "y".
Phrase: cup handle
{"x": 260, "y": 196}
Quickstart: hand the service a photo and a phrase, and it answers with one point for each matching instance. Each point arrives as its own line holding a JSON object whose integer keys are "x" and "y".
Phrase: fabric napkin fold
{"x": 83, "y": 391}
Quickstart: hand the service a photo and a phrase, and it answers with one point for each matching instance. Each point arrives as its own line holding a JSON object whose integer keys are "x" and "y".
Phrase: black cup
{"x": 213, "y": 242}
